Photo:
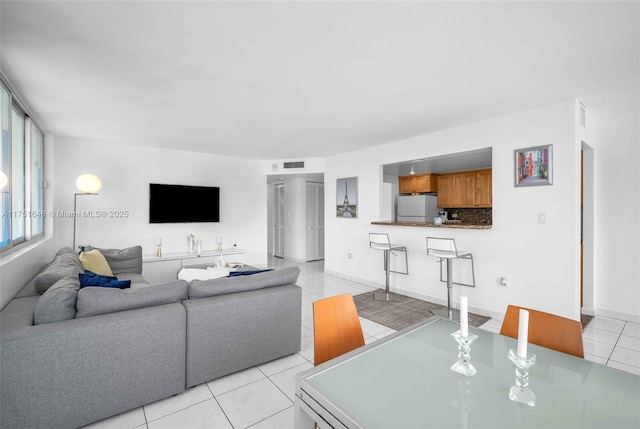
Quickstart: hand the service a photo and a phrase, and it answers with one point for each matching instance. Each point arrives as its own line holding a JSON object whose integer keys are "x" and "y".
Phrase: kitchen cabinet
{"x": 418, "y": 183}
{"x": 465, "y": 189}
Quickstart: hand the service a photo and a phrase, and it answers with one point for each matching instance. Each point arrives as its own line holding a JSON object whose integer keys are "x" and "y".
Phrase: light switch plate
{"x": 542, "y": 218}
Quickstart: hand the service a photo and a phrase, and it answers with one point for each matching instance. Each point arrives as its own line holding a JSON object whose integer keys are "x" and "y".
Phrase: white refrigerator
{"x": 417, "y": 208}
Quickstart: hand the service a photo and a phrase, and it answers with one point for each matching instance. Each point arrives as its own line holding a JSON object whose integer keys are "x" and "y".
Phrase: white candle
{"x": 464, "y": 317}
{"x": 523, "y": 333}
{"x": 159, "y": 241}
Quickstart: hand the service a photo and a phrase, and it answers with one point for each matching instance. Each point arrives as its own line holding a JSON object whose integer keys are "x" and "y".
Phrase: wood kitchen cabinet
{"x": 465, "y": 189}
{"x": 418, "y": 183}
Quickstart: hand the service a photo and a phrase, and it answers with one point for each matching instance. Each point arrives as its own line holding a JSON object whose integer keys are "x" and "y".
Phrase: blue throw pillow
{"x": 247, "y": 272}
{"x": 89, "y": 278}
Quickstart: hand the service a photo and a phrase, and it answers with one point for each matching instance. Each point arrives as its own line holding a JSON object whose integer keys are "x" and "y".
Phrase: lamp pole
{"x": 87, "y": 184}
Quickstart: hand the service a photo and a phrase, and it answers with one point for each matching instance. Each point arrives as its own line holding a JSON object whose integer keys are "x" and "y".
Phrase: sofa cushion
{"x": 97, "y": 300}
{"x": 225, "y": 285}
{"x": 137, "y": 280}
{"x": 89, "y": 278}
{"x": 18, "y": 313}
{"x": 58, "y": 302}
{"x": 63, "y": 265}
{"x": 128, "y": 260}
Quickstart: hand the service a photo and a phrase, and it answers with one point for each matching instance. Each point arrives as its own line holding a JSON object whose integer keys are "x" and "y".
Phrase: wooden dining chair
{"x": 546, "y": 330}
{"x": 336, "y": 327}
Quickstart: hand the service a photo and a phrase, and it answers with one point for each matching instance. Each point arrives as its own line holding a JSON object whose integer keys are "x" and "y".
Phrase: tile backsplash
{"x": 482, "y": 216}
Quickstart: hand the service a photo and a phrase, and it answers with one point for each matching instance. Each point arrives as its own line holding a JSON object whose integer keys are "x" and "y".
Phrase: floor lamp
{"x": 87, "y": 184}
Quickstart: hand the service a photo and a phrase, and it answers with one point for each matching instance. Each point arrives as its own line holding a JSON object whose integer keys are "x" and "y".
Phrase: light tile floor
{"x": 262, "y": 397}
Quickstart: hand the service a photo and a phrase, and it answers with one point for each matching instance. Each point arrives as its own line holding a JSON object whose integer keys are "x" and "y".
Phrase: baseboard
{"x": 424, "y": 297}
{"x": 617, "y": 315}
{"x": 588, "y": 311}
{"x": 356, "y": 279}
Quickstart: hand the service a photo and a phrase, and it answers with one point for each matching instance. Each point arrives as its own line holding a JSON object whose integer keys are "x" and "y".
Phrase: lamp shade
{"x": 88, "y": 183}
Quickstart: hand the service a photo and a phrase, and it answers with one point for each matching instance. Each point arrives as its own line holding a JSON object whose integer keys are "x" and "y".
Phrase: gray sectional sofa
{"x": 71, "y": 356}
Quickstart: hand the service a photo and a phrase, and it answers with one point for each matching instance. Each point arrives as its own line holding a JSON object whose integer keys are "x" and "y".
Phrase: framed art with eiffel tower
{"x": 347, "y": 198}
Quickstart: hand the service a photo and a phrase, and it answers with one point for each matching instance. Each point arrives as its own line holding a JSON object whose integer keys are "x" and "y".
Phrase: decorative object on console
{"x": 534, "y": 166}
{"x": 159, "y": 248}
{"x": 192, "y": 243}
{"x": 219, "y": 241}
{"x": 221, "y": 262}
{"x": 87, "y": 184}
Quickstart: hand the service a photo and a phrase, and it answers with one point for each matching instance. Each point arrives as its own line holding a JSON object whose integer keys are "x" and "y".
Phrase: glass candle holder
{"x": 159, "y": 250}
{"x": 520, "y": 392}
{"x": 463, "y": 365}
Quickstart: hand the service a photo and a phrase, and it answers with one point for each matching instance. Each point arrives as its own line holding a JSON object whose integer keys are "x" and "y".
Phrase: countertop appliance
{"x": 417, "y": 208}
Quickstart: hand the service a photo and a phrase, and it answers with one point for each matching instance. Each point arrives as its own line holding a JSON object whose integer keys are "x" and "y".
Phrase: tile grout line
{"x": 616, "y": 343}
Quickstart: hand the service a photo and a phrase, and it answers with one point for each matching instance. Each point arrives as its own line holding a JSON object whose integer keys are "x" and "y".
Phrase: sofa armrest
{"x": 74, "y": 372}
{"x": 231, "y": 332}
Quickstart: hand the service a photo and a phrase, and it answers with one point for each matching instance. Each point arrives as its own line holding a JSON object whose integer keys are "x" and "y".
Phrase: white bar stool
{"x": 381, "y": 242}
{"x": 445, "y": 249}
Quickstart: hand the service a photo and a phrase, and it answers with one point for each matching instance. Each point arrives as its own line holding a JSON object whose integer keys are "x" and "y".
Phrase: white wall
{"x": 540, "y": 262}
{"x": 127, "y": 170}
{"x": 617, "y": 214}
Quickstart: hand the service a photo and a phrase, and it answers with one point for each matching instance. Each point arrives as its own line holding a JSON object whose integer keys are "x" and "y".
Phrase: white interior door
{"x": 278, "y": 220}
{"x": 315, "y": 221}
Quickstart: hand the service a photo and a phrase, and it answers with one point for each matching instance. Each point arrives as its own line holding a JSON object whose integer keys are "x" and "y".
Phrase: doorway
{"x": 278, "y": 220}
{"x": 315, "y": 221}
{"x": 587, "y": 251}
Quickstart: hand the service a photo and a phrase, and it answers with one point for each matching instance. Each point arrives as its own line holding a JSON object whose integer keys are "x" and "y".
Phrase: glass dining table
{"x": 404, "y": 381}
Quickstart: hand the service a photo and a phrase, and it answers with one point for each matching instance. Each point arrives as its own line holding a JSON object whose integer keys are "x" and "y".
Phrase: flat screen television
{"x": 182, "y": 203}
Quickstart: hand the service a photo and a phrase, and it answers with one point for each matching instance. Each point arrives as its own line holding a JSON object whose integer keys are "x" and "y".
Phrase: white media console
{"x": 165, "y": 268}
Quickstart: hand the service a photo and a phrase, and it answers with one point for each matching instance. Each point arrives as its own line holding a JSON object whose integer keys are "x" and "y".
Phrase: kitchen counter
{"x": 433, "y": 225}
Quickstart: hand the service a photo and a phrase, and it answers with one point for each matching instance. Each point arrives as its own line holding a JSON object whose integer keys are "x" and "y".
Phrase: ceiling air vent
{"x": 295, "y": 164}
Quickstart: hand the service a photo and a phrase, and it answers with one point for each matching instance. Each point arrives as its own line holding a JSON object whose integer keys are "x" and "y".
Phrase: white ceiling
{"x": 294, "y": 79}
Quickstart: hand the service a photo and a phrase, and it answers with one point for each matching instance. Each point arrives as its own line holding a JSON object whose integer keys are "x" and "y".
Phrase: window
{"x": 17, "y": 175}
{"x": 37, "y": 180}
{"x": 4, "y": 172}
{"x": 21, "y": 174}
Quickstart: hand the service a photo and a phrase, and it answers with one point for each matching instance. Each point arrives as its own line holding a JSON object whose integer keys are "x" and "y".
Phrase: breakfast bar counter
{"x": 433, "y": 225}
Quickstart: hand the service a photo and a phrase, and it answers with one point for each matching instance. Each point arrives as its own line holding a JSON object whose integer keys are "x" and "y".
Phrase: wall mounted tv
{"x": 181, "y": 203}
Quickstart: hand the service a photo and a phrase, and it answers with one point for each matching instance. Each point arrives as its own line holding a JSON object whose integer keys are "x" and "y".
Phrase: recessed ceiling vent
{"x": 295, "y": 164}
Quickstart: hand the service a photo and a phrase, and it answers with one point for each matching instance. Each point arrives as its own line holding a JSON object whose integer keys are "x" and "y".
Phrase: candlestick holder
{"x": 520, "y": 392}
{"x": 463, "y": 365}
{"x": 159, "y": 250}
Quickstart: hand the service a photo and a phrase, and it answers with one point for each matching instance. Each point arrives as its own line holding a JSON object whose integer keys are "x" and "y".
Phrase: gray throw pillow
{"x": 99, "y": 300}
{"x": 65, "y": 264}
{"x": 58, "y": 302}
{"x": 64, "y": 250}
{"x": 121, "y": 261}
{"x": 225, "y": 285}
